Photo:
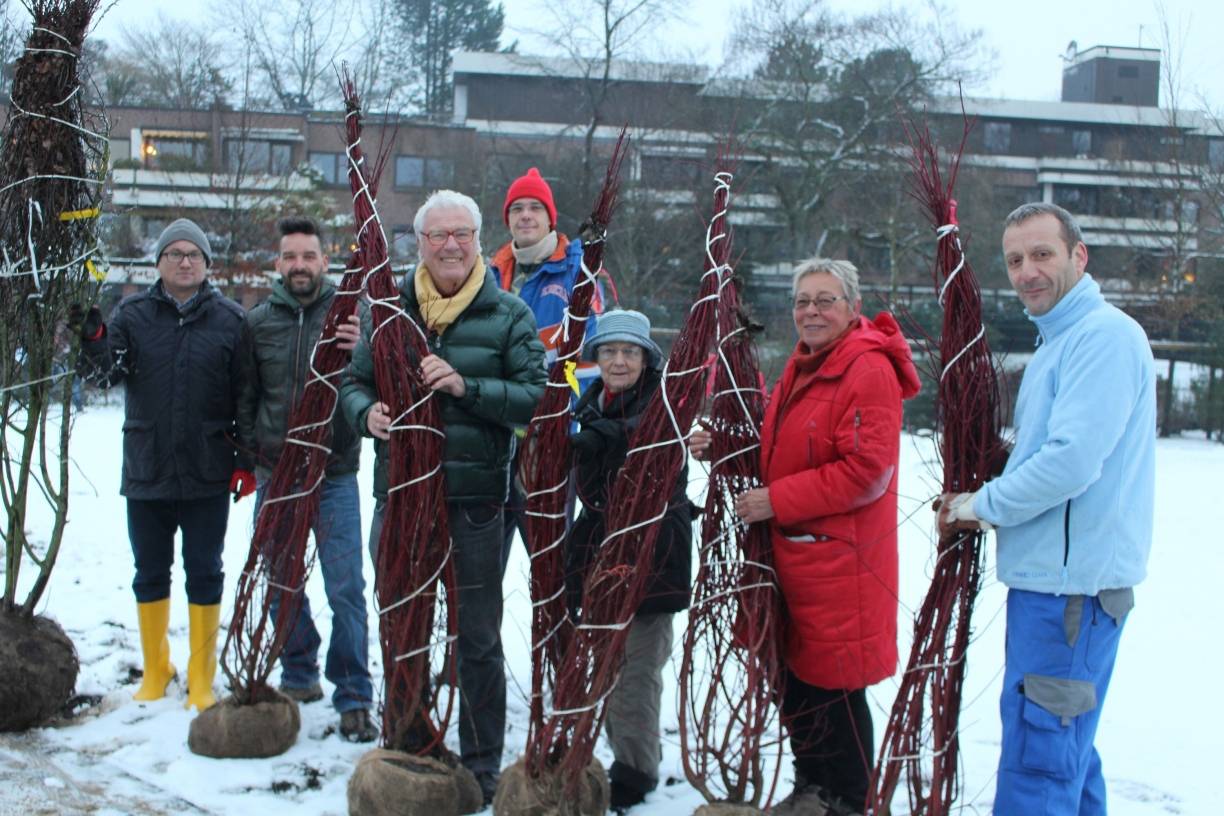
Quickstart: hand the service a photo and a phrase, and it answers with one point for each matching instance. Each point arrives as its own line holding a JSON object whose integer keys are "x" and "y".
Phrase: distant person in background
{"x": 541, "y": 266}
{"x": 178, "y": 347}
{"x": 1073, "y": 514}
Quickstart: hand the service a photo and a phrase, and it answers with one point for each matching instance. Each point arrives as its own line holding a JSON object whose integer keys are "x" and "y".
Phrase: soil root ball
{"x": 520, "y": 795}
{"x": 38, "y": 671}
{"x": 726, "y": 809}
{"x": 392, "y": 783}
{"x": 233, "y": 730}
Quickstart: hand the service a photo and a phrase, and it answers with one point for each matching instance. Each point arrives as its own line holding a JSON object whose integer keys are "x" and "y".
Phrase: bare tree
{"x": 167, "y": 63}
{"x": 820, "y": 102}
{"x": 293, "y": 45}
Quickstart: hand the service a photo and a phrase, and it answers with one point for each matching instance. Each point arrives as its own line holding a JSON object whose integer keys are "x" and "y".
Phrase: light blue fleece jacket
{"x": 1073, "y": 507}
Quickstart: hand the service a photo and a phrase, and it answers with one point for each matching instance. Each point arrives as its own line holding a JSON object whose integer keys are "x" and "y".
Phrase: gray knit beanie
{"x": 623, "y": 326}
{"x": 183, "y": 230}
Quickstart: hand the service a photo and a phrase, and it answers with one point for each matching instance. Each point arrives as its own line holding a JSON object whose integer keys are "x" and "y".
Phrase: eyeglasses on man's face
{"x": 463, "y": 235}
{"x": 606, "y": 353}
{"x": 175, "y": 256}
{"x": 823, "y": 303}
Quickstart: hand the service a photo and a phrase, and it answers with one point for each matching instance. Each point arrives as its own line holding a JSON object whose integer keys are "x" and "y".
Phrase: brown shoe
{"x": 303, "y": 694}
{"x": 356, "y": 726}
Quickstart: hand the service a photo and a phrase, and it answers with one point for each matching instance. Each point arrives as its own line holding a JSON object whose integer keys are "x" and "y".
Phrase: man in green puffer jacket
{"x": 284, "y": 329}
{"x": 487, "y": 368}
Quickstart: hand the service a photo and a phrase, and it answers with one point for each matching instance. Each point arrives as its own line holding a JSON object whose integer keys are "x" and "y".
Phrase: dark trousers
{"x": 476, "y": 531}
{"x": 514, "y": 512}
{"x": 831, "y": 738}
{"x": 152, "y": 524}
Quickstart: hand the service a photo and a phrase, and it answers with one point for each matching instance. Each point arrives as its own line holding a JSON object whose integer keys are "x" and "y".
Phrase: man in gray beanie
{"x": 179, "y": 347}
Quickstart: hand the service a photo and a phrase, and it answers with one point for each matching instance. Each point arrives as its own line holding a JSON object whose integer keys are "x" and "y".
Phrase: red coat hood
{"x": 882, "y": 334}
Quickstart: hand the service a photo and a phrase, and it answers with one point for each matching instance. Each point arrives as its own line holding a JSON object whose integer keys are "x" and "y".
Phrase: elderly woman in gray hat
{"x": 608, "y": 413}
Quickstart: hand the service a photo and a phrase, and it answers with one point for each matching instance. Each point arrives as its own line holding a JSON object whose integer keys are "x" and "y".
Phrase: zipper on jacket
{"x": 1067, "y": 534}
{"x": 858, "y": 420}
{"x": 297, "y": 364}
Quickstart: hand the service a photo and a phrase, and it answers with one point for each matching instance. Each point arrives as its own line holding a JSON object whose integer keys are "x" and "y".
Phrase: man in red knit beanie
{"x": 541, "y": 266}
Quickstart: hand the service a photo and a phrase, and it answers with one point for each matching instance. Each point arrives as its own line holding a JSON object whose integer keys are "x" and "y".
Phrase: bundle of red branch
{"x": 730, "y": 670}
{"x": 546, "y": 467}
{"x": 968, "y": 425}
{"x": 414, "y": 580}
{"x": 616, "y": 583}
{"x": 276, "y": 565}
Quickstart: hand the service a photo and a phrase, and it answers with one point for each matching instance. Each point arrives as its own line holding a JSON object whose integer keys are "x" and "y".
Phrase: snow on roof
{"x": 474, "y": 62}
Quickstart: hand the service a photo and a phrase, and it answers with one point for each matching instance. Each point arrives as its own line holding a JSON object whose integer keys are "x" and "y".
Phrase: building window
{"x": 258, "y": 156}
{"x": 1128, "y": 71}
{"x": 419, "y": 171}
{"x": 670, "y": 172}
{"x": 439, "y": 173}
{"x": 403, "y": 243}
{"x": 1081, "y": 142}
{"x": 175, "y": 150}
{"x": 330, "y": 167}
{"x": 997, "y": 137}
{"x": 1215, "y": 154}
{"x": 1077, "y": 199}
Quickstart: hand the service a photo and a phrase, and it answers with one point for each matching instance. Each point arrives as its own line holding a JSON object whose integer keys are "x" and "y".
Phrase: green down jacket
{"x": 495, "y": 347}
{"x": 283, "y": 335}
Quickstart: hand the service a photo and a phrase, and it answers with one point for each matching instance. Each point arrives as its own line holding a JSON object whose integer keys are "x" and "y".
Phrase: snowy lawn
{"x": 1155, "y": 738}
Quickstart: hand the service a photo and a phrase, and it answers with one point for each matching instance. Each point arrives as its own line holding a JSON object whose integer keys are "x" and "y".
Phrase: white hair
{"x": 845, "y": 272}
{"x": 444, "y": 200}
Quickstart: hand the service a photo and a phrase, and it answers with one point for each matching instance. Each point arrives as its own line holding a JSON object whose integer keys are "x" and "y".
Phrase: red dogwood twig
{"x": 968, "y": 425}
{"x": 617, "y": 580}
{"x": 414, "y": 578}
{"x": 546, "y": 467}
{"x": 730, "y": 670}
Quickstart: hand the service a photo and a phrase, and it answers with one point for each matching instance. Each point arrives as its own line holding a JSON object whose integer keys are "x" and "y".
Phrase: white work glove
{"x": 956, "y": 513}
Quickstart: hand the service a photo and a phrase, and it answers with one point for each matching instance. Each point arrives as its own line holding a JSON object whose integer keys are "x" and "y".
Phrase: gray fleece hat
{"x": 183, "y": 230}
{"x": 624, "y": 326}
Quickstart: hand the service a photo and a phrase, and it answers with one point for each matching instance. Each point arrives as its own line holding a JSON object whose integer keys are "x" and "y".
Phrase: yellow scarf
{"x": 438, "y": 311}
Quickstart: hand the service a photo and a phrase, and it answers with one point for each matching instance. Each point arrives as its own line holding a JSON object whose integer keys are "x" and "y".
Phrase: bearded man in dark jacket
{"x": 487, "y": 369}
{"x": 178, "y": 348}
{"x": 284, "y": 329}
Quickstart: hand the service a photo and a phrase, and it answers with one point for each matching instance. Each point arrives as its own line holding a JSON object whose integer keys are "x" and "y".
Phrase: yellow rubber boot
{"x": 202, "y": 665}
{"x": 154, "y": 618}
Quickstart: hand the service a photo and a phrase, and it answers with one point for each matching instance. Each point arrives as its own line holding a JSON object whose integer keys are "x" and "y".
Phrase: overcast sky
{"x": 1028, "y": 36}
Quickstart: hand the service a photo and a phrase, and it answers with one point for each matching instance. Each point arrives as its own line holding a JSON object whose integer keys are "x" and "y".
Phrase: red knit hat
{"x": 531, "y": 185}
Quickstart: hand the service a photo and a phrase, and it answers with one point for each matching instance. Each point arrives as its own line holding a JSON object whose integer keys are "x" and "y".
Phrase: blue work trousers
{"x": 338, "y": 555}
{"x": 1060, "y": 656}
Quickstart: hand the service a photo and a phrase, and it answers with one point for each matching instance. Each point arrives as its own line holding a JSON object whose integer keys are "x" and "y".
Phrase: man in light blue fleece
{"x": 1073, "y": 513}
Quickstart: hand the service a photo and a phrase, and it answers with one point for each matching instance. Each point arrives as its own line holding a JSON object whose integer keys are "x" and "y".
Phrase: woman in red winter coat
{"x": 829, "y": 451}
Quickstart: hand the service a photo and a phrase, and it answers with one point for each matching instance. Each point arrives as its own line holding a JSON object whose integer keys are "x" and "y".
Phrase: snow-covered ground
{"x": 1156, "y": 737}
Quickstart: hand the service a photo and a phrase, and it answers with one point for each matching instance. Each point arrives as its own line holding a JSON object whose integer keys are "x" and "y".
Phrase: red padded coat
{"x": 829, "y": 449}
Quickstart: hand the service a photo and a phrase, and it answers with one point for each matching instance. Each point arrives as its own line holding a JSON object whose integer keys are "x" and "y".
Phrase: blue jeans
{"x": 1060, "y": 657}
{"x": 338, "y": 539}
{"x": 476, "y": 530}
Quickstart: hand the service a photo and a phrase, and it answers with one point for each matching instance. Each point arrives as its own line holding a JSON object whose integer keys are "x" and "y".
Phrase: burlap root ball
{"x": 230, "y": 730}
{"x": 520, "y": 795}
{"x": 392, "y": 783}
{"x": 726, "y": 809}
{"x": 38, "y": 670}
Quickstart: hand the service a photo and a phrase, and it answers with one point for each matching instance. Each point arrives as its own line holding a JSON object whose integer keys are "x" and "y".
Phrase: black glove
{"x": 588, "y": 442}
{"x": 88, "y": 324}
